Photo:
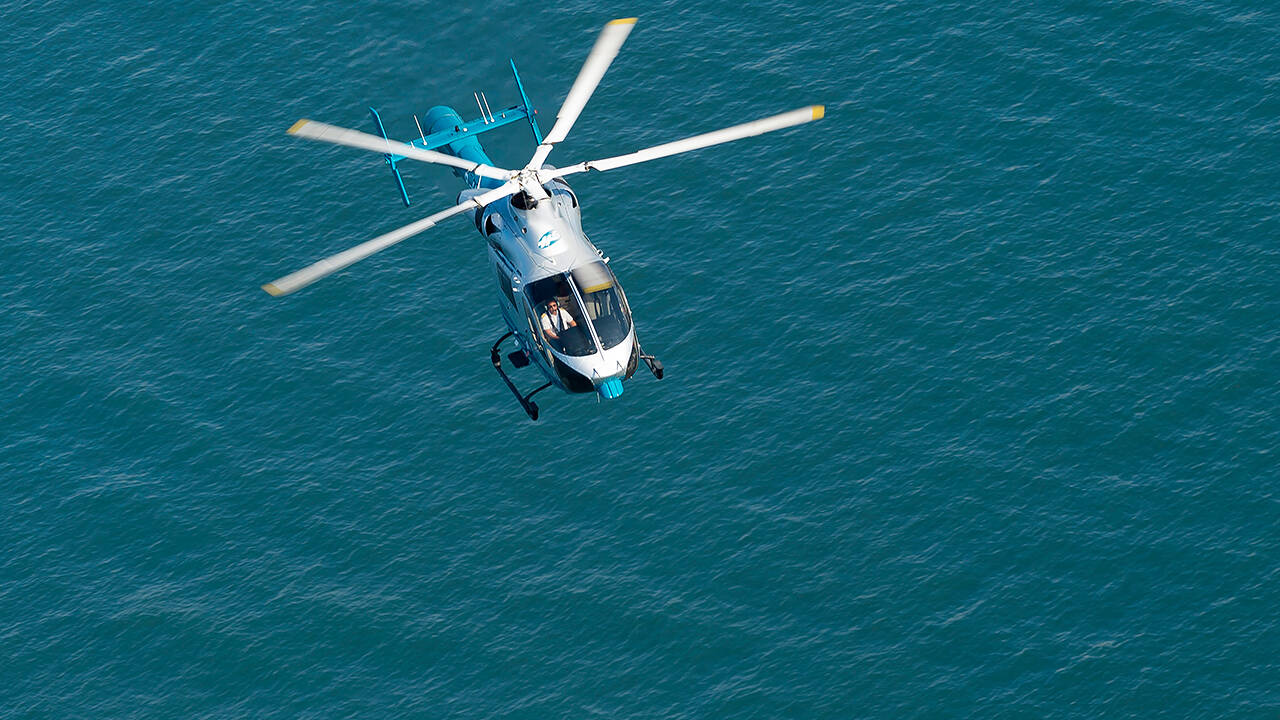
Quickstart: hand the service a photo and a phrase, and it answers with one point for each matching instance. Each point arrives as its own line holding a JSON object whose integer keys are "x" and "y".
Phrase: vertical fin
{"x": 395, "y": 171}
{"x": 528, "y": 109}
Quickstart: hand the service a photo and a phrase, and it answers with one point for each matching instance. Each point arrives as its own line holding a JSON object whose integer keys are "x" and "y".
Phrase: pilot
{"x": 555, "y": 320}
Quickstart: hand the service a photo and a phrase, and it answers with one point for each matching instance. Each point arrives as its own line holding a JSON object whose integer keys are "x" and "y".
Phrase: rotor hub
{"x": 530, "y": 185}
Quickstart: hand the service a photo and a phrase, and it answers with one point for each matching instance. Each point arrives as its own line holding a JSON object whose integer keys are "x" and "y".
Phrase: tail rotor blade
{"x": 601, "y": 56}
{"x": 333, "y": 263}
{"x": 313, "y": 130}
{"x": 737, "y": 132}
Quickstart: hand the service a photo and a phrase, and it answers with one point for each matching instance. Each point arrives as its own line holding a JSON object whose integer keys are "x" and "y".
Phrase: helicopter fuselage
{"x": 541, "y": 259}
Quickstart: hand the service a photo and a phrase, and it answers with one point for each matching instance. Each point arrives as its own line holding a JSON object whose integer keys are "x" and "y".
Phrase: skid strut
{"x": 655, "y": 365}
{"x": 530, "y": 407}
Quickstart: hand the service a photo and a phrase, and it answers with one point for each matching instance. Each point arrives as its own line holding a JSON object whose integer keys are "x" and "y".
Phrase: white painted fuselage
{"x": 539, "y": 254}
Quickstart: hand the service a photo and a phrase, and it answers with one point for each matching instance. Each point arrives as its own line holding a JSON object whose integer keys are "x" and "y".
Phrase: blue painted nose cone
{"x": 610, "y": 389}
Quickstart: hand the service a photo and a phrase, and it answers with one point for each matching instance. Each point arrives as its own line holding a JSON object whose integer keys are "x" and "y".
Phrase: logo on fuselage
{"x": 549, "y": 238}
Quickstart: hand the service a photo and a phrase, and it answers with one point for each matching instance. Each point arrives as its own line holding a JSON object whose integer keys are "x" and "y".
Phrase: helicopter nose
{"x": 610, "y": 389}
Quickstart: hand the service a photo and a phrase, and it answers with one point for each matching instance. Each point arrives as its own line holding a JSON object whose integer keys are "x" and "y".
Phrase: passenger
{"x": 555, "y": 320}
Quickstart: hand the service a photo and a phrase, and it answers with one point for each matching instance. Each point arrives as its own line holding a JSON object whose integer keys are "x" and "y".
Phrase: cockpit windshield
{"x": 603, "y": 301}
{"x": 566, "y": 304}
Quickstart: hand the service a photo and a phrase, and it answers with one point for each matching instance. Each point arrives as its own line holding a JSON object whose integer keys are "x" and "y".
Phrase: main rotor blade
{"x": 313, "y": 130}
{"x": 737, "y": 132}
{"x": 601, "y": 55}
{"x": 333, "y": 263}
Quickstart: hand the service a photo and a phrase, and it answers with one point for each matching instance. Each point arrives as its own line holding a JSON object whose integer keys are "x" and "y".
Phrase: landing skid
{"x": 530, "y": 407}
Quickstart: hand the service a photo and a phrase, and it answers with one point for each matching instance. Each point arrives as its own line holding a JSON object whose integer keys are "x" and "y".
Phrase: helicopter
{"x": 558, "y": 296}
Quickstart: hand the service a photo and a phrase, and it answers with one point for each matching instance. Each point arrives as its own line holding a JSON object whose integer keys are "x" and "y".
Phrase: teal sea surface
{"x": 970, "y": 407}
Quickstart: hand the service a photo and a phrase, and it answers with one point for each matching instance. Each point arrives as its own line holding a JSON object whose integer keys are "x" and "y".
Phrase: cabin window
{"x": 504, "y": 284}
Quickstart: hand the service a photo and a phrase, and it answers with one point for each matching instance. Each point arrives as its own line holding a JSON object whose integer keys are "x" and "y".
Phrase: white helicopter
{"x": 558, "y": 296}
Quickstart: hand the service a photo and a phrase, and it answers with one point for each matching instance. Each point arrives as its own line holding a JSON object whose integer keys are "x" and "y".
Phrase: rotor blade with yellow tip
{"x": 313, "y": 130}
{"x": 598, "y": 60}
{"x": 737, "y": 132}
{"x": 333, "y": 263}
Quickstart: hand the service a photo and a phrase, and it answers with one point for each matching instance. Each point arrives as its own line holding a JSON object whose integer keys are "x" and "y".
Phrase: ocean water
{"x": 971, "y": 394}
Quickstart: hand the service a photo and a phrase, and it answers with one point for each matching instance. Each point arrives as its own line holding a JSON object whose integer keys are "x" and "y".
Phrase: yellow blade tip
{"x": 819, "y": 111}
{"x": 298, "y": 125}
{"x": 623, "y": 21}
{"x": 273, "y": 290}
